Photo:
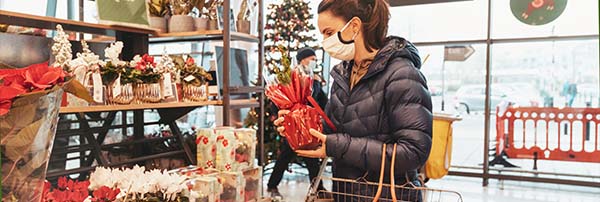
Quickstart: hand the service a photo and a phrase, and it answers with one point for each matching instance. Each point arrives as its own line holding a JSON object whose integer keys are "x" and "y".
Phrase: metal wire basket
{"x": 360, "y": 190}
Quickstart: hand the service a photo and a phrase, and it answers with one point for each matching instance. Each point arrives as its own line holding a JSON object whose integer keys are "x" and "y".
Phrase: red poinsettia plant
{"x": 105, "y": 194}
{"x": 67, "y": 191}
{"x": 34, "y": 78}
{"x": 74, "y": 191}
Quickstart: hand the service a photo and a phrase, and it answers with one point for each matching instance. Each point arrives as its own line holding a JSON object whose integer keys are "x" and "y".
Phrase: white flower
{"x": 102, "y": 177}
{"x": 113, "y": 51}
{"x": 88, "y": 199}
{"x": 135, "y": 61}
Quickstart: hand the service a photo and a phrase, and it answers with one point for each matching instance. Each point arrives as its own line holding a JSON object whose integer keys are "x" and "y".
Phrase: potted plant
{"x": 243, "y": 18}
{"x": 146, "y": 79}
{"x": 158, "y": 11}
{"x": 181, "y": 21}
{"x": 194, "y": 79}
{"x": 30, "y": 100}
{"x": 112, "y": 71}
{"x": 201, "y": 21}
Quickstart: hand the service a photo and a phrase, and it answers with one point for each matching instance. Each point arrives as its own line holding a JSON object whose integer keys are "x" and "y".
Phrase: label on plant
{"x": 167, "y": 85}
{"x": 116, "y": 88}
{"x": 189, "y": 78}
{"x": 97, "y": 87}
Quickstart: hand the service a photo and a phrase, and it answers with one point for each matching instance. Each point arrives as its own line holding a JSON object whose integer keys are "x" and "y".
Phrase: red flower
{"x": 104, "y": 194}
{"x": 190, "y": 61}
{"x": 140, "y": 66}
{"x": 47, "y": 187}
{"x": 41, "y": 76}
{"x": 62, "y": 183}
{"x": 5, "y": 107}
{"x": 147, "y": 58}
{"x": 6, "y": 96}
{"x": 205, "y": 140}
{"x": 225, "y": 143}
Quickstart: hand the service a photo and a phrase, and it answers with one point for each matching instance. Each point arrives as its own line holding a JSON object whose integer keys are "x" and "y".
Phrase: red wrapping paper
{"x": 294, "y": 96}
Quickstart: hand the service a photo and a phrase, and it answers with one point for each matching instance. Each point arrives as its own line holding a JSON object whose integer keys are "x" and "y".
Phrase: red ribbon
{"x": 321, "y": 112}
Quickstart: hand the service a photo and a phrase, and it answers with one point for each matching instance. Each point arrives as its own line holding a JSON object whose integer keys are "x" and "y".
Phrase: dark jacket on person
{"x": 389, "y": 105}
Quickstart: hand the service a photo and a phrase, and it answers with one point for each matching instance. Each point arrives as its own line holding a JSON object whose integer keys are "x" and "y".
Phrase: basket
{"x": 359, "y": 190}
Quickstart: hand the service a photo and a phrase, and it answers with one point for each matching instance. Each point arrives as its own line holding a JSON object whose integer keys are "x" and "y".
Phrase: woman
{"x": 378, "y": 97}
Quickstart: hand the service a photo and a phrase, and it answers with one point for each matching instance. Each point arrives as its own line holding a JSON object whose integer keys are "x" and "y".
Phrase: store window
{"x": 440, "y": 22}
{"x": 579, "y": 17}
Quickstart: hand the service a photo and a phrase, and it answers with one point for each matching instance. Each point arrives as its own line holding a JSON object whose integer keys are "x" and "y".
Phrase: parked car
{"x": 522, "y": 94}
{"x": 471, "y": 98}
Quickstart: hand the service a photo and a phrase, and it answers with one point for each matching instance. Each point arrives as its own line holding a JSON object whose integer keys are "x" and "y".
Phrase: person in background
{"x": 378, "y": 97}
{"x": 307, "y": 61}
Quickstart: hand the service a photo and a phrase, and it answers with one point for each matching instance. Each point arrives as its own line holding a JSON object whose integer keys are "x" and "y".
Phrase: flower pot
{"x": 147, "y": 92}
{"x": 213, "y": 25}
{"x": 27, "y": 144}
{"x": 125, "y": 97}
{"x": 193, "y": 93}
{"x": 159, "y": 23}
{"x": 243, "y": 26}
{"x": 201, "y": 24}
{"x": 181, "y": 23}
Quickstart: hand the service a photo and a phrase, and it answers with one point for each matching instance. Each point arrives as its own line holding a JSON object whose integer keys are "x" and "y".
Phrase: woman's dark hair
{"x": 374, "y": 14}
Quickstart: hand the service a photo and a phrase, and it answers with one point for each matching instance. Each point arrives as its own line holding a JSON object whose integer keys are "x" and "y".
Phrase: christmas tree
{"x": 289, "y": 25}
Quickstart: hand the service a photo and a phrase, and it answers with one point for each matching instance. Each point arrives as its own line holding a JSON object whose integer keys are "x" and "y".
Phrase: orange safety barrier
{"x": 565, "y": 134}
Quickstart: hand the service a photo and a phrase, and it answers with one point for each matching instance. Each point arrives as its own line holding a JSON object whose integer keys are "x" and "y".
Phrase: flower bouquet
{"x": 137, "y": 184}
{"x": 166, "y": 66}
{"x": 291, "y": 90}
{"x": 146, "y": 77}
{"x": 30, "y": 98}
{"x": 194, "y": 79}
{"x": 86, "y": 69}
{"x": 119, "y": 86}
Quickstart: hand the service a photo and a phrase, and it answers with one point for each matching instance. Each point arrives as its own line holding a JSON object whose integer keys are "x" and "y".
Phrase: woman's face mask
{"x": 339, "y": 49}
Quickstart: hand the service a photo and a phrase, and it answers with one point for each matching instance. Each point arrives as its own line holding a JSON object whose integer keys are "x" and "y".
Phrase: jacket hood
{"x": 397, "y": 47}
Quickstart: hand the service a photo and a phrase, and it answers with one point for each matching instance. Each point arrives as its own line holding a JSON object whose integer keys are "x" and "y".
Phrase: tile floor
{"x": 295, "y": 185}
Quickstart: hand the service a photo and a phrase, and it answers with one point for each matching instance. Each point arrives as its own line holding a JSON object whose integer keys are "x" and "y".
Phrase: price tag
{"x": 116, "y": 88}
{"x": 189, "y": 78}
{"x": 97, "y": 87}
{"x": 167, "y": 85}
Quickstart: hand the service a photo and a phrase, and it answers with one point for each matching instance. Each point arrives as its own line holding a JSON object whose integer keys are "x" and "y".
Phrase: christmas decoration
{"x": 300, "y": 33}
{"x": 537, "y": 12}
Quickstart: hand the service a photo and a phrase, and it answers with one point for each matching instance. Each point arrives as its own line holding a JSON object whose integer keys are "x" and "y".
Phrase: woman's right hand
{"x": 279, "y": 121}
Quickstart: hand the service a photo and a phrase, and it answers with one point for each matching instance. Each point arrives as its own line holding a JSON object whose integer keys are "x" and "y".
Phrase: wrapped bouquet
{"x": 291, "y": 90}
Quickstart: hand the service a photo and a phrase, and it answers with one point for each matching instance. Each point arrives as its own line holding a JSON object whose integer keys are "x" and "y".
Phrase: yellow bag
{"x": 438, "y": 164}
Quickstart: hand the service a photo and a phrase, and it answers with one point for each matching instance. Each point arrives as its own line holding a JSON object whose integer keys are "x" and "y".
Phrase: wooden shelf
{"x": 106, "y": 108}
{"x": 235, "y": 104}
{"x": 43, "y": 22}
{"x": 200, "y": 36}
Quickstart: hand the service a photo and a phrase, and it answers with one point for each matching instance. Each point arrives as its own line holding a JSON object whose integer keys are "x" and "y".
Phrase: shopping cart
{"x": 359, "y": 190}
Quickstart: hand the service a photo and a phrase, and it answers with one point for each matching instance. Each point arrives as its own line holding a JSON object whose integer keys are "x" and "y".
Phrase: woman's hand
{"x": 317, "y": 153}
{"x": 279, "y": 121}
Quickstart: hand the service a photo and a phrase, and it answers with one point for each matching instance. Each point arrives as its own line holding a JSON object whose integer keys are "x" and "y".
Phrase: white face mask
{"x": 338, "y": 48}
{"x": 311, "y": 66}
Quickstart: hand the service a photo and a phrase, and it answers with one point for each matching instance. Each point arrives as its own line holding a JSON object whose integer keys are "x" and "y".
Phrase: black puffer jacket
{"x": 390, "y": 104}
